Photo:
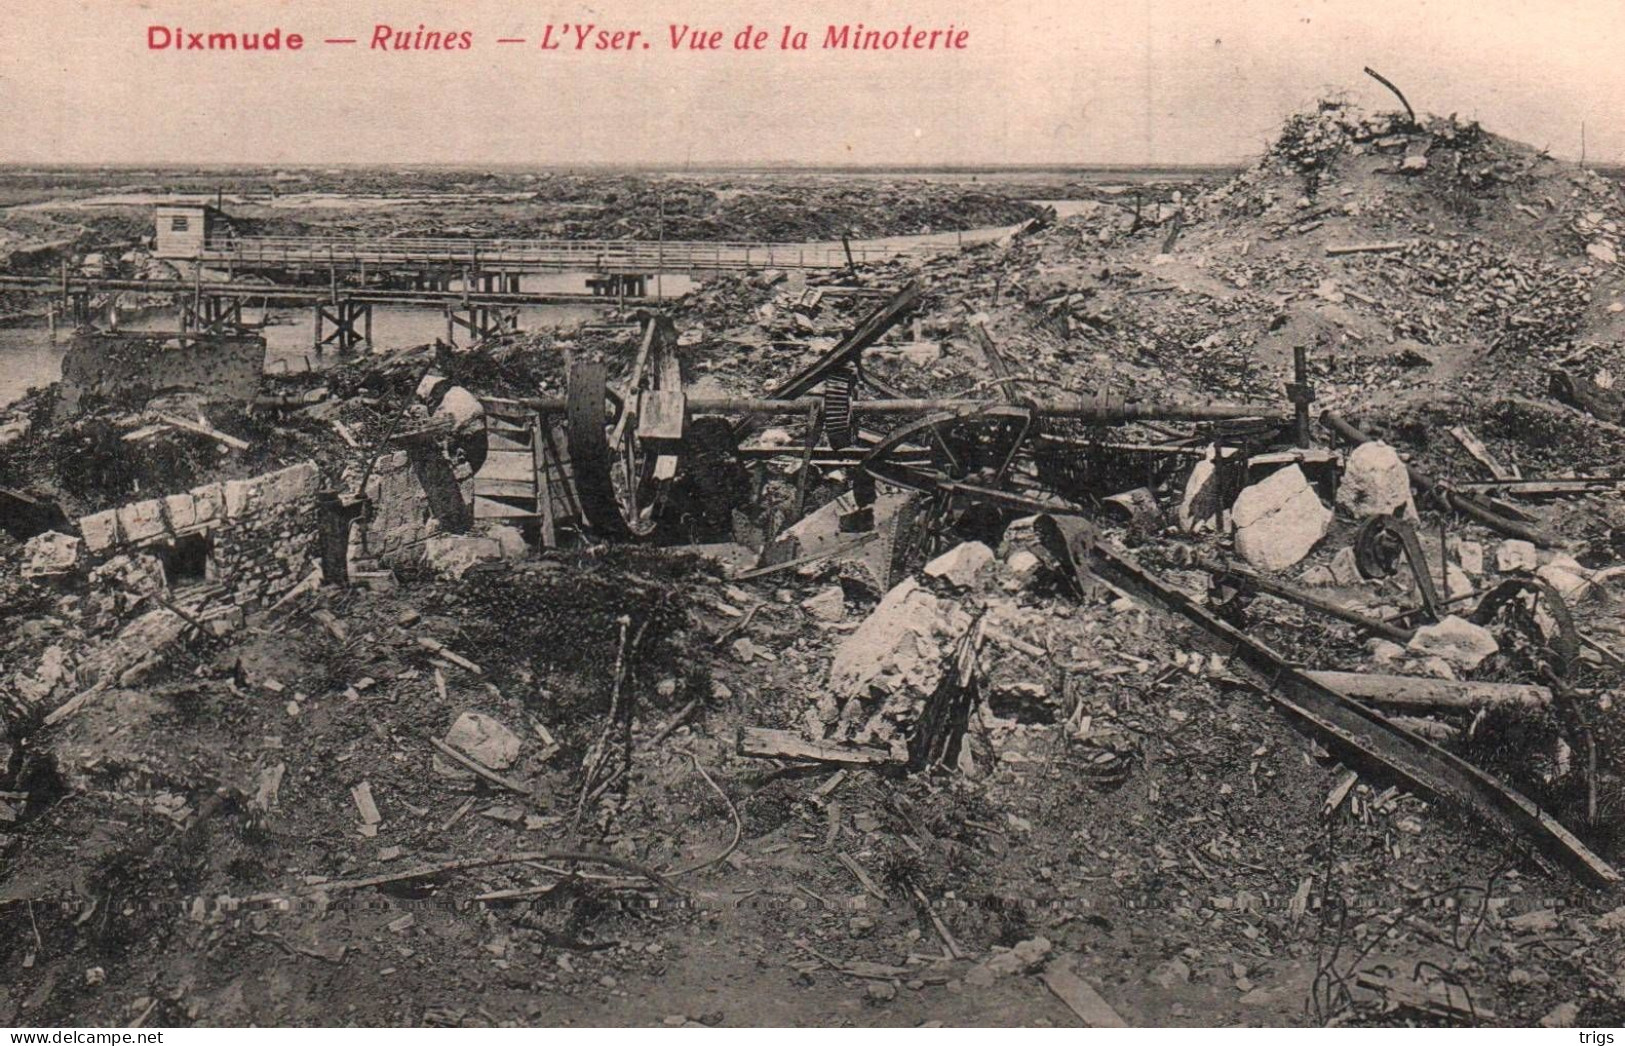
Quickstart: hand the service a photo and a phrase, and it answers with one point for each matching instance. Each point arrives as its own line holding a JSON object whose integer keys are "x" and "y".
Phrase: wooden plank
{"x": 1340, "y": 791}
{"x": 144, "y": 431}
{"x": 504, "y": 488}
{"x": 1546, "y": 488}
{"x": 508, "y": 464}
{"x": 1427, "y": 692}
{"x": 1365, "y": 248}
{"x": 364, "y": 804}
{"x": 762, "y": 743}
{"x": 1082, "y": 999}
{"x": 434, "y": 646}
{"x": 486, "y": 508}
{"x": 662, "y": 414}
{"x": 1480, "y": 453}
{"x": 498, "y": 442}
{"x": 204, "y": 430}
{"x": 543, "y": 483}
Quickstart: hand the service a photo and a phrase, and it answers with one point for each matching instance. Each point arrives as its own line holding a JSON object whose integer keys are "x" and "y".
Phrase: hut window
{"x": 185, "y": 560}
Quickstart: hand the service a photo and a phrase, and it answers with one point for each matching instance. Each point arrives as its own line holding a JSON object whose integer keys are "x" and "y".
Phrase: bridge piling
{"x": 480, "y": 321}
{"x": 344, "y": 314}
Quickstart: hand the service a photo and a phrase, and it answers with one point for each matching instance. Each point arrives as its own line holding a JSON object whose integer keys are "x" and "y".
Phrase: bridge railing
{"x": 643, "y": 255}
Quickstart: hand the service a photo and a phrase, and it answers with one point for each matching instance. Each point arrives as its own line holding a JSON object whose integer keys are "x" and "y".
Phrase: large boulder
{"x": 1513, "y": 556}
{"x": 1456, "y": 641}
{"x": 1565, "y": 574}
{"x": 901, "y": 646}
{"x": 1279, "y": 520}
{"x": 463, "y": 408}
{"x": 484, "y": 740}
{"x": 51, "y": 553}
{"x": 452, "y": 555}
{"x": 962, "y": 565}
{"x": 1375, "y": 483}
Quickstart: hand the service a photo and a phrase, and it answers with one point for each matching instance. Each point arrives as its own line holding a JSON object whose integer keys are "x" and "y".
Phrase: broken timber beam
{"x": 204, "y": 430}
{"x": 1333, "y": 250}
{"x": 1480, "y": 453}
{"x": 1080, "y": 997}
{"x": 865, "y": 334}
{"x": 1355, "y": 734}
{"x": 1547, "y": 488}
{"x": 762, "y": 743}
{"x": 1293, "y": 594}
{"x": 1428, "y": 692}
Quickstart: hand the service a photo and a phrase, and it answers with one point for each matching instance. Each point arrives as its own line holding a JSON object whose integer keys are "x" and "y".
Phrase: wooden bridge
{"x": 630, "y": 257}
{"x": 249, "y": 293}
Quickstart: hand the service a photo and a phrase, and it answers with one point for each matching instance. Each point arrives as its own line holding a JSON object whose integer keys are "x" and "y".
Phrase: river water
{"x": 30, "y": 359}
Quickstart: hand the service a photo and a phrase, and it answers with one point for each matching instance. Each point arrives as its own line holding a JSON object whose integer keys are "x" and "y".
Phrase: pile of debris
{"x": 894, "y": 597}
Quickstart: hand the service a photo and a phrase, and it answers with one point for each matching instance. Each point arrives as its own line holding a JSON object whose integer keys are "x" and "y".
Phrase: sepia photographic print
{"x": 847, "y": 514}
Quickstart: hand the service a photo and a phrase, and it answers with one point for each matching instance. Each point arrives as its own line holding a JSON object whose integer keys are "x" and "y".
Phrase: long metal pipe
{"x": 1108, "y": 411}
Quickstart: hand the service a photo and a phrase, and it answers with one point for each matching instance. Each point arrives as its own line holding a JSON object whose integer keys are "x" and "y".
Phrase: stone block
{"x": 100, "y": 530}
{"x": 142, "y": 520}
{"x": 182, "y": 511}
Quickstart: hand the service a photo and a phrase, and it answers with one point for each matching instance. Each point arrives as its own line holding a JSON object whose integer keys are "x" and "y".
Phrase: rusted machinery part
{"x": 1538, "y": 611}
{"x": 1359, "y": 736}
{"x": 847, "y": 350}
{"x": 613, "y": 470}
{"x": 1080, "y": 464}
{"x": 953, "y": 455}
{"x": 837, "y": 407}
{"x": 922, "y": 478}
{"x": 1377, "y": 548}
{"x": 591, "y": 456}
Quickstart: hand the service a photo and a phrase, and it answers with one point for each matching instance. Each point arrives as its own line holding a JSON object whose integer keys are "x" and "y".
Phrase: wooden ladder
{"x": 524, "y": 475}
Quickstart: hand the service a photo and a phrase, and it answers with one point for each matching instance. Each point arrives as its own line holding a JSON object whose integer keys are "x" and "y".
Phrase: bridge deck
{"x": 286, "y": 295}
{"x": 609, "y": 256}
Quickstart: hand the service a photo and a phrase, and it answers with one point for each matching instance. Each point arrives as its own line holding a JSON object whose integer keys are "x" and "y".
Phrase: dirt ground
{"x": 194, "y": 847}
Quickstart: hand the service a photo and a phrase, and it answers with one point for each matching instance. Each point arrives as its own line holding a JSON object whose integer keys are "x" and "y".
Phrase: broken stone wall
{"x": 400, "y": 519}
{"x": 262, "y": 532}
{"x": 128, "y": 371}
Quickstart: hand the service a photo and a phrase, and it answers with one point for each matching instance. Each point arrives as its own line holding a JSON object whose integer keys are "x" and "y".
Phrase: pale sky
{"x": 1042, "y": 81}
